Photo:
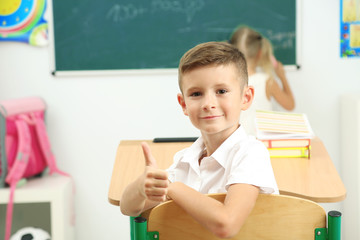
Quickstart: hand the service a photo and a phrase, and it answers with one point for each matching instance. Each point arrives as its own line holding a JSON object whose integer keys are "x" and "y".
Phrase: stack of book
{"x": 284, "y": 134}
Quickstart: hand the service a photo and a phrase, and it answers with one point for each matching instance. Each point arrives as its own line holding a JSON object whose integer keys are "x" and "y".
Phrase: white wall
{"x": 88, "y": 116}
{"x": 350, "y": 161}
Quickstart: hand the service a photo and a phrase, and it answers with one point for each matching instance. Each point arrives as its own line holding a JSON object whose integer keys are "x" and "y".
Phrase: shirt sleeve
{"x": 172, "y": 169}
{"x": 253, "y": 167}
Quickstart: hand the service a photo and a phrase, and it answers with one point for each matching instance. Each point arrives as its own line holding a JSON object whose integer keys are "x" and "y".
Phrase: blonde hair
{"x": 213, "y": 53}
{"x": 252, "y": 43}
{"x": 267, "y": 57}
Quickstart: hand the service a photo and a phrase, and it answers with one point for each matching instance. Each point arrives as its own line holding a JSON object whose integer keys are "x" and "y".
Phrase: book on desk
{"x": 284, "y": 134}
{"x": 289, "y": 152}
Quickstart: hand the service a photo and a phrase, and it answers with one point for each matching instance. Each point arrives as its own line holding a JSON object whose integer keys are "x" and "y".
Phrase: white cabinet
{"x": 350, "y": 164}
{"x": 47, "y": 202}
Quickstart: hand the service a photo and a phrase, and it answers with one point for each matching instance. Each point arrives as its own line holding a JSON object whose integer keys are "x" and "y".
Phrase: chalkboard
{"x": 153, "y": 34}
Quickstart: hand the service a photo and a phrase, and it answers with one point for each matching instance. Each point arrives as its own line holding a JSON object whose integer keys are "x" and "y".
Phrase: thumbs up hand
{"x": 154, "y": 181}
{"x": 149, "y": 159}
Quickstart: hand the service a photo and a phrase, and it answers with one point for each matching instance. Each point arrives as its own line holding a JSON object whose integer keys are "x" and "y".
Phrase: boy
{"x": 214, "y": 90}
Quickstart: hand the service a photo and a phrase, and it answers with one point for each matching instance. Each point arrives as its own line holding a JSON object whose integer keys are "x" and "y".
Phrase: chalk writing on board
{"x": 283, "y": 40}
{"x": 118, "y": 12}
{"x": 188, "y": 7}
{"x": 123, "y": 12}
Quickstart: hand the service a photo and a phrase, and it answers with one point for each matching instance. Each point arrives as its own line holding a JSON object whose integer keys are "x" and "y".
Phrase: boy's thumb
{"x": 149, "y": 159}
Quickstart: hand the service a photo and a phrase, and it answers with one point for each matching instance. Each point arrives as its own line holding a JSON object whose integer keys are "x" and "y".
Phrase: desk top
{"x": 315, "y": 179}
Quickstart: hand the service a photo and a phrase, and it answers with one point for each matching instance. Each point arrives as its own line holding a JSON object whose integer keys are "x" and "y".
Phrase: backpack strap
{"x": 22, "y": 157}
{"x": 18, "y": 168}
{"x": 45, "y": 145}
{"x": 3, "y": 157}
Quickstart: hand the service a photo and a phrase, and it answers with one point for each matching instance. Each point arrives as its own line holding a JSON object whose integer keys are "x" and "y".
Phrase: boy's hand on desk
{"x": 154, "y": 181}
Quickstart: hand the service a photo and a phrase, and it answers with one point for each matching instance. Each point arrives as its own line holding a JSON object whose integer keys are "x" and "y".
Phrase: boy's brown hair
{"x": 213, "y": 53}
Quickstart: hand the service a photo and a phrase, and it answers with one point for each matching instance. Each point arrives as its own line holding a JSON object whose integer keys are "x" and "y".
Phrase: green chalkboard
{"x": 152, "y": 34}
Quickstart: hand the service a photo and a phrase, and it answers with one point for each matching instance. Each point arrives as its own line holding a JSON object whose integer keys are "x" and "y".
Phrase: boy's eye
{"x": 221, "y": 91}
{"x": 195, "y": 94}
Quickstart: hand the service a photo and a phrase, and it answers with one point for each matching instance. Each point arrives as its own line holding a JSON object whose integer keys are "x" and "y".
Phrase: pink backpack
{"x": 24, "y": 146}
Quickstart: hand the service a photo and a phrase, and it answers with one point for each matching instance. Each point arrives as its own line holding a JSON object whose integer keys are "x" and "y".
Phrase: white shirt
{"x": 239, "y": 159}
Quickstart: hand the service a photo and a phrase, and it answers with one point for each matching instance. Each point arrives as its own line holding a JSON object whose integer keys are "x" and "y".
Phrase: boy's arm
{"x": 148, "y": 190}
{"x": 222, "y": 219}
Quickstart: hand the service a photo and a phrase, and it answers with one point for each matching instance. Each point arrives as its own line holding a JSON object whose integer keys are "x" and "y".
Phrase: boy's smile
{"x": 211, "y": 117}
{"x": 213, "y": 99}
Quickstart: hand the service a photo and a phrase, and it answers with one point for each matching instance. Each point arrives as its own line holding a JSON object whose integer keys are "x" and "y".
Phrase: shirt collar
{"x": 222, "y": 152}
{"x": 194, "y": 151}
{"x": 220, "y": 155}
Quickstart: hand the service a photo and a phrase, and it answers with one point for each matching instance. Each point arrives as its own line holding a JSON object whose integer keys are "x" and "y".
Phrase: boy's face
{"x": 213, "y": 99}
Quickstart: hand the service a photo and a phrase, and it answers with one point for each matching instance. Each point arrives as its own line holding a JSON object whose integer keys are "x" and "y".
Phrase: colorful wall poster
{"x": 350, "y": 28}
{"x": 24, "y": 21}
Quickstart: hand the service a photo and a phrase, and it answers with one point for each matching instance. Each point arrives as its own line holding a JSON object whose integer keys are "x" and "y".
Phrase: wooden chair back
{"x": 273, "y": 217}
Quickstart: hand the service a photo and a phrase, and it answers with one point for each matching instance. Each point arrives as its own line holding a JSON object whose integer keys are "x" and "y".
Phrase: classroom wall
{"x": 88, "y": 116}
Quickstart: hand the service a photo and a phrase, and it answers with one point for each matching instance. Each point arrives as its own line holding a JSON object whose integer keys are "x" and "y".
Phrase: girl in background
{"x": 262, "y": 69}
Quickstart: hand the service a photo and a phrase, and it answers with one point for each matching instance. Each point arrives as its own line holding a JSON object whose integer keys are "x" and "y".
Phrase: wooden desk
{"x": 315, "y": 179}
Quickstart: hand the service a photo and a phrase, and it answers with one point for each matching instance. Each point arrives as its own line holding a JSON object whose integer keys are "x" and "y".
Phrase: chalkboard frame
{"x": 155, "y": 71}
